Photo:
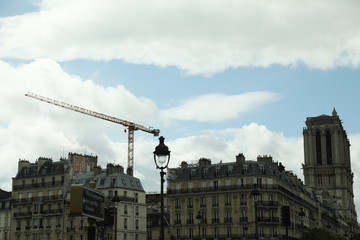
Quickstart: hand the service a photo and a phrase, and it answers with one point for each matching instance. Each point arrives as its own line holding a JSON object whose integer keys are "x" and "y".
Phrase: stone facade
{"x": 327, "y": 167}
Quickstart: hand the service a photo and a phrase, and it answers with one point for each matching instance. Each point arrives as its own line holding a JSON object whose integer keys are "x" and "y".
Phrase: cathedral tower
{"x": 327, "y": 167}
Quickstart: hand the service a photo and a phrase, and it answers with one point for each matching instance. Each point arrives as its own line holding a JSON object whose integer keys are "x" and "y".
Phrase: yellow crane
{"x": 132, "y": 127}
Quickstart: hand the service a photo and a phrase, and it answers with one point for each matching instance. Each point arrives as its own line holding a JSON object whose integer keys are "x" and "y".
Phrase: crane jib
{"x": 131, "y": 126}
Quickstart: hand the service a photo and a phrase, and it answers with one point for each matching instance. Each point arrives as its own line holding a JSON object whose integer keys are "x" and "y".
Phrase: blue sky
{"x": 217, "y": 78}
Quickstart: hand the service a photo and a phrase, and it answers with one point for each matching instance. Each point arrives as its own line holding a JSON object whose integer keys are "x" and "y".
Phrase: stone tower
{"x": 327, "y": 167}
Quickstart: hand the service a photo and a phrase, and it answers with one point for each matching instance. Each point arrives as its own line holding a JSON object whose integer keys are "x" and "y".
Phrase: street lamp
{"x": 116, "y": 200}
{"x": 255, "y": 193}
{"x": 161, "y": 159}
{"x": 302, "y": 216}
{"x": 199, "y": 218}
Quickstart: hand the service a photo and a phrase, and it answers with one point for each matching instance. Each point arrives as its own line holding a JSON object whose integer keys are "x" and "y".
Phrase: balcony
{"x": 268, "y": 219}
{"x": 220, "y": 188}
{"x": 22, "y": 214}
{"x": 215, "y": 220}
{"x": 243, "y": 219}
{"x": 177, "y": 222}
{"x": 190, "y": 221}
{"x": 228, "y": 220}
{"x": 70, "y": 229}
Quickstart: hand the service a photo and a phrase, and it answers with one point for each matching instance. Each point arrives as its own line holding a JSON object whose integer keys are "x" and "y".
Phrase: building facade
{"x": 216, "y": 201}
{"x": 38, "y": 199}
{"x": 130, "y": 211}
{"x": 5, "y": 215}
{"x": 327, "y": 167}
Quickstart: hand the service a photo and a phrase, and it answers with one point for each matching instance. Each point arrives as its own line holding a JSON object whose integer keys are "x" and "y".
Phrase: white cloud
{"x": 219, "y": 107}
{"x": 199, "y": 37}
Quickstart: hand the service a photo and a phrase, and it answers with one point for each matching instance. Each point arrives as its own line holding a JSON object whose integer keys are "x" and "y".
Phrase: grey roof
{"x": 224, "y": 170}
{"x": 115, "y": 180}
{"x": 49, "y": 167}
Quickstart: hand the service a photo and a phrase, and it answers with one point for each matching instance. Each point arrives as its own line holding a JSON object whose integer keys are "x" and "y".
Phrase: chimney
{"x": 204, "y": 162}
{"x": 119, "y": 168}
{"x": 23, "y": 163}
{"x": 109, "y": 169}
{"x": 41, "y": 161}
{"x": 240, "y": 158}
{"x": 129, "y": 171}
{"x": 97, "y": 170}
{"x": 183, "y": 164}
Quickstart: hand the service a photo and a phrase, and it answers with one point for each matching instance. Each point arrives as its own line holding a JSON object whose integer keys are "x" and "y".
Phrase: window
{"x": 136, "y": 197}
{"x": 243, "y": 199}
{"x": 203, "y": 232}
{"x": 125, "y": 223}
{"x": 53, "y": 181}
{"x": 228, "y": 216}
{"x": 125, "y": 209}
{"x": 190, "y": 219}
{"x": 227, "y": 200}
{"x": 136, "y": 224}
{"x": 328, "y": 148}
{"x": 243, "y": 215}
{"x": 190, "y": 233}
{"x": 215, "y": 217}
{"x": 215, "y": 201}
{"x": 36, "y": 208}
{"x": 43, "y": 182}
{"x": 228, "y": 232}
{"x": 228, "y": 184}
{"x": 178, "y": 203}
{"x": 318, "y": 148}
{"x": 216, "y": 232}
{"x": 137, "y": 210}
{"x": 190, "y": 186}
{"x": 203, "y": 202}
{"x": 190, "y": 202}
{"x": 216, "y": 185}
{"x": 262, "y": 231}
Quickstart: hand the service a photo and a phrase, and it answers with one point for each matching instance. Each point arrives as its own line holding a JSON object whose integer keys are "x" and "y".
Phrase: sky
{"x": 218, "y": 78}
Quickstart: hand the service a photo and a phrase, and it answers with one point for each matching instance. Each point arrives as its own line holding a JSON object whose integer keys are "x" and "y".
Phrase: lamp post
{"x": 161, "y": 159}
{"x": 115, "y": 200}
{"x": 199, "y": 218}
{"x": 255, "y": 193}
{"x": 302, "y": 216}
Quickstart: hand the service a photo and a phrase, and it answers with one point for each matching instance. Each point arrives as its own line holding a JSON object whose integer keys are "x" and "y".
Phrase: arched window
{"x": 328, "y": 148}
{"x": 318, "y": 148}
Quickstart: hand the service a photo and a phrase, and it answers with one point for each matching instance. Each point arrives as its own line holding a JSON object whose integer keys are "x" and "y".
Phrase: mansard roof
{"x": 115, "y": 180}
{"x": 47, "y": 168}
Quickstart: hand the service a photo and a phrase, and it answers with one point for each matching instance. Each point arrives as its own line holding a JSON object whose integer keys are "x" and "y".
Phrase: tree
{"x": 321, "y": 234}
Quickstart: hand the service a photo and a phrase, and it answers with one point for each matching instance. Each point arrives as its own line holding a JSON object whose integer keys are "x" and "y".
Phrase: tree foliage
{"x": 321, "y": 234}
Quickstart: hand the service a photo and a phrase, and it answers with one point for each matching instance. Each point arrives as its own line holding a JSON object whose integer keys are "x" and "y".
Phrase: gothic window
{"x": 328, "y": 148}
{"x": 318, "y": 148}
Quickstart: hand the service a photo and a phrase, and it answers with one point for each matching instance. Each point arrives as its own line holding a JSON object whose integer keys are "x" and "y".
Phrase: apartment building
{"x": 131, "y": 208}
{"x": 215, "y": 201}
{"x": 5, "y": 200}
{"x": 38, "y": 199}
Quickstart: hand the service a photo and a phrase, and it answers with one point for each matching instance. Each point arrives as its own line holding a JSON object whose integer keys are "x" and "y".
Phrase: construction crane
{"x": 132, "y": 127}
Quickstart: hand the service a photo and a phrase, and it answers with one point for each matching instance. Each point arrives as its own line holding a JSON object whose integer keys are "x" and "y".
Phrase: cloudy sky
{"x": 217, "y": 78}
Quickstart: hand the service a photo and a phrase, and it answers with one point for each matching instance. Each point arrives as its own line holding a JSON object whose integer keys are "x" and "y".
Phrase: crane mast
{"x": 132, "y": 127}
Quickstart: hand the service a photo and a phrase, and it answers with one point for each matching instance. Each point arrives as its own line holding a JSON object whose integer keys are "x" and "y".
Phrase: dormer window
{"x": 113, "y": 180}
{"x": 245, "y": 168}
